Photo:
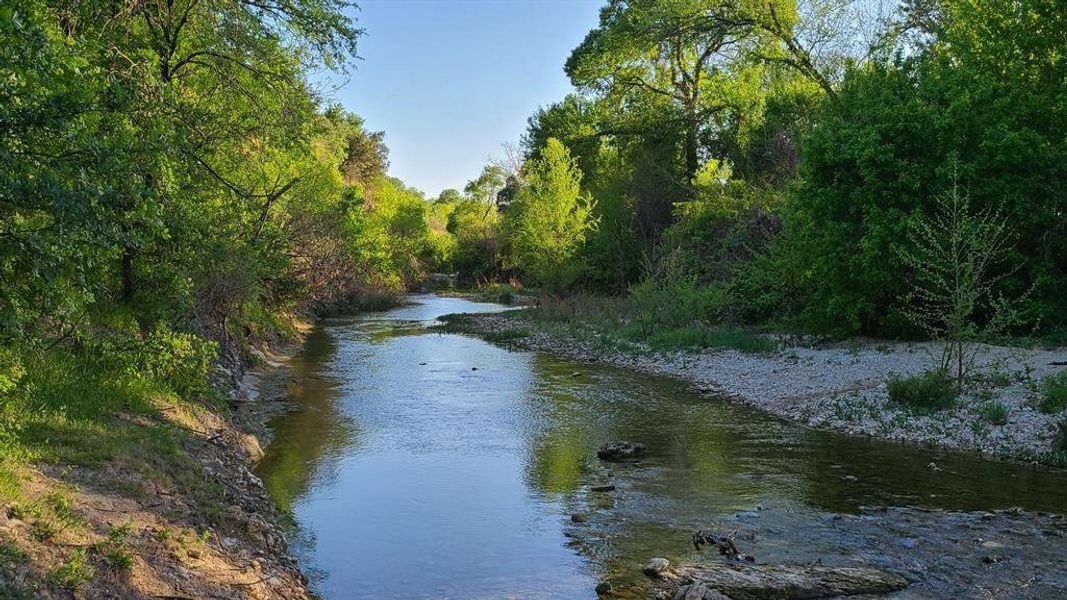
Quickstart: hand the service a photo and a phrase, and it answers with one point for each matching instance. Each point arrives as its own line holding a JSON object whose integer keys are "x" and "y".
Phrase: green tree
{"x": 550, "y": 218}
{"x": 685, "y": 53}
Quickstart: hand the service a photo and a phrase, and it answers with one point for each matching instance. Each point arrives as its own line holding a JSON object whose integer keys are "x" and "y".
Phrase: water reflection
{"x": 428, "y": 465}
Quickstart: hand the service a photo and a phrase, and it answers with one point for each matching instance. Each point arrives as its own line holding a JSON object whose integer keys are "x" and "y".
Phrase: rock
{"x": 608, "y": 487}
{"x": 698, "y": 591}
{"x": 907, "y": 543}
{"x": 694, "y": 592}
{"x": 194, "y": 553}
{"x": 992, "y": 559}
{"x": 654, "y": 568}
{"x": 250, "y": 447}
{"x": 725, "y": 545}
{"x": 603, "y": 588}
{"x": 579, "y": 518}
{"x": 740, "y": 581}
{"x": 621, "y": 451}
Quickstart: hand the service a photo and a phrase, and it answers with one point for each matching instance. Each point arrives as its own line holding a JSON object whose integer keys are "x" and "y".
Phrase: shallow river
{"x": 417, "y": 464}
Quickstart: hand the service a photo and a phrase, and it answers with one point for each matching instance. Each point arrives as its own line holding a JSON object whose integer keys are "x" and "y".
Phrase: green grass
{"x": 508, "y": 335}
{"x": 1054, "y": 393}
{"x": 674, "y": 326}
{"x": 115, "y": 550}
{"x": 994, "y": 412}
{"x": 89, "y": 408}
{"x": 74, "y": 572}
{"x": 699, "y": 338}
{"x": 926, "y": 392}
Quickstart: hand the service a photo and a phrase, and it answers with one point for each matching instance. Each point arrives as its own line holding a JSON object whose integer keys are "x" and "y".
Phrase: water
{"x": 424, "y": 465}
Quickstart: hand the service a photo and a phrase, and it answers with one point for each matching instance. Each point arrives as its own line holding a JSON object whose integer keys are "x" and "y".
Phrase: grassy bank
{"x": 121, "y": 466}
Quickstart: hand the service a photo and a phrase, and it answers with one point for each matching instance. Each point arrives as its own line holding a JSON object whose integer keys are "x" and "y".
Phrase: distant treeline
{"x": 769, "y": 161}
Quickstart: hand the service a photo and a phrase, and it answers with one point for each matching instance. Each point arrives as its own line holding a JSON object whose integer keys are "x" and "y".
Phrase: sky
{"x": 450, "y": 81}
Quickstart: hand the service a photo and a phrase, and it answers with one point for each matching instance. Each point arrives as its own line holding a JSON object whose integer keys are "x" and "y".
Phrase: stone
{"x": 250, "y": 447}
{"x": 655, "y": 567}
{"x": 609, "y": 487}
{"x": 742, "y": 581}
{"x": 621, "y": 451}
{"x": 603, "y": 588}
{"x": 579, "y": 518}
{"x": 695, "y": 591}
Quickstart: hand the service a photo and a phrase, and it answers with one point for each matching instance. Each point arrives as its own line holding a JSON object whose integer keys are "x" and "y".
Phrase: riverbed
{"x": 418, "y": 464}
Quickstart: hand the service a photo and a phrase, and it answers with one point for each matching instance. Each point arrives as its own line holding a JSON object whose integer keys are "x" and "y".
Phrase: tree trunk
{"x": 692, "y": 130}
{"x": 127, "y": 274}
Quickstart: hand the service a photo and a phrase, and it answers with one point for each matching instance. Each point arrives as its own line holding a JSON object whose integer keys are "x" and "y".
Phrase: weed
{"x": 43, "y": 530}
{"x": 1054, "y": 393}
{"x": 73, "y": 573}
{"x": 114, "y": 549}
{"x": 994, "y": 412}
{"x": 11, "y": 554}
{"x": 507, "y": 335}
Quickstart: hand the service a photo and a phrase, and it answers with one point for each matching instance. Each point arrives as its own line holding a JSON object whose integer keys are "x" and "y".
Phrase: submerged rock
{"x": 621, "y": 451}
{"x": 740, "y": 581}
{"x": 655, "y": 567}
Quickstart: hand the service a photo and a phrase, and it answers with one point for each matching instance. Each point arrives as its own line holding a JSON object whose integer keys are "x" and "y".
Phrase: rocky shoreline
{"x": 840, "y": 387}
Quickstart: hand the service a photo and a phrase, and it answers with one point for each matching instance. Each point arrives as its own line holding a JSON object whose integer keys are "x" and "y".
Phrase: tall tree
{"x": 550, "y": 217}
{"x": 677, "y": 51}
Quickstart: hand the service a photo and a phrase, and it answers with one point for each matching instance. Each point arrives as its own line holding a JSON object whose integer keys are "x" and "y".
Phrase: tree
{"x": 678, "y": 51}
{"x": 550, "y": 217}
{"x": 485, "y": 187}
{"x": 957, "y": 256}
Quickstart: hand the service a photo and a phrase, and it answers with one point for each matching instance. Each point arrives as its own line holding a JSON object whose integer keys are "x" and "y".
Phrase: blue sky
{"x": 449, "y": 81}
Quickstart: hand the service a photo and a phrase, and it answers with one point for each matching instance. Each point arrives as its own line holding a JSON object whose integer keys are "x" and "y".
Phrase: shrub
{"x": 932, "y": 390}
{"x": 675, "y": 303}
{"x": 1054, "y": 393}
{"x": 675, "y": 338}
{"x": 994, "y": 412}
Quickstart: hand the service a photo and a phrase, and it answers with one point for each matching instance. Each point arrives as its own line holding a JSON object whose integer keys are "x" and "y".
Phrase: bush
{"x": 674, "y": 303}
{"x": 927, "y": 391}
{"x": 1054, "y": 393}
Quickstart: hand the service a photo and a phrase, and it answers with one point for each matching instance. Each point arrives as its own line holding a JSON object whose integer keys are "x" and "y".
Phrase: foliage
{"x": 956, "y": 257}
{"x": 994, "y": 412}
{"x": 74, "y": 572}
{"x": 979, "y": 99}
{"x": 928, "y": 391}
{"x": 548, "y": 221}
{"x": 1054, "y": 393}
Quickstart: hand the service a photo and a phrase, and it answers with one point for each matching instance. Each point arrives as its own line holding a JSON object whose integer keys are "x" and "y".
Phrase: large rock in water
{"x": 739, "y": 581}
{"x": 621, "y": 451}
